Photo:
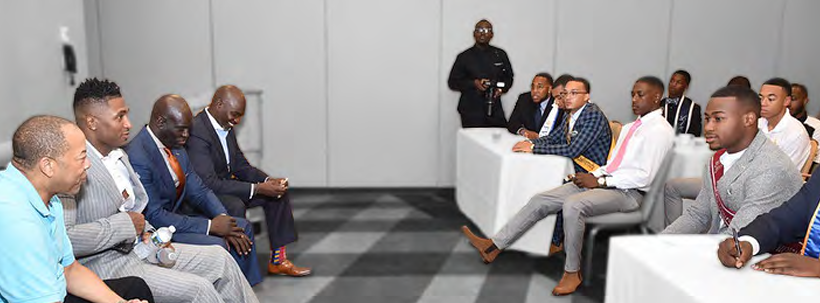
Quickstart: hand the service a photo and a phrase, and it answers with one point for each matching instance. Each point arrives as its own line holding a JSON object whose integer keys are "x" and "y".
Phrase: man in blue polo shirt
{"x": 37, "y": 263}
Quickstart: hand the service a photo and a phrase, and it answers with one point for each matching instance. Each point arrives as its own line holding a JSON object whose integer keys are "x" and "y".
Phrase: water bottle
{"x": 167, "y": 257}
{"x": 151, "y": 248}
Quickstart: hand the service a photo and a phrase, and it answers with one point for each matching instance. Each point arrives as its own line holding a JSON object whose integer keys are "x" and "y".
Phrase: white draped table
{"x": 685, "y": 269}
{"x": 493, "y": 183}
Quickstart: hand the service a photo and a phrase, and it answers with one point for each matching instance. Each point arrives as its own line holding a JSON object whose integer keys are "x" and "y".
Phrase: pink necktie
{"x": 622, "y": 149}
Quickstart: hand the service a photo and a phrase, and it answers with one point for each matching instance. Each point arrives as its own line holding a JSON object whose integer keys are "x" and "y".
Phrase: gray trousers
{"x": 578, "y": 204}
{"x": 202, "y": 274}
{"x": 674, "y": 192}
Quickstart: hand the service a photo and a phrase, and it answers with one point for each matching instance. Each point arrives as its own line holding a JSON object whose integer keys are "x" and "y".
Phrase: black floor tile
{"x": 397, "y": 264}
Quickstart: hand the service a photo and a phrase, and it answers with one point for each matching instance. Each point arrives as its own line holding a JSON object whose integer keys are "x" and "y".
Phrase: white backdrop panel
{"x": 716, "y": 40}
{"x": 630, "y": 41}
{"x": 155, "y": 47}
{"x": 800, "y": 47}
{"x": 383, "y": 71}
{"x": 279, "y": 47}
{"x": 32, "y": 80}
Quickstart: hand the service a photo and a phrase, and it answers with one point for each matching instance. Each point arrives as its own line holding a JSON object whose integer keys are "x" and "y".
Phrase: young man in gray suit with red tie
{"x": 105, "y": 217}
{"x": 747, "y": 176}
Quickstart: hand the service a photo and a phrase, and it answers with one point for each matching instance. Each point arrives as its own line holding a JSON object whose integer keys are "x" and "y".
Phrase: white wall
{"x": 32, "y": 80}
{"x": 279, "y": 47}
{"x": 355, "y": 90}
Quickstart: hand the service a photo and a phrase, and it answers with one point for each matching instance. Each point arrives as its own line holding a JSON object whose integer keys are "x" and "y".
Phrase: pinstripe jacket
{"x": 96, "y": 226}
{"x": 590, "y": 137}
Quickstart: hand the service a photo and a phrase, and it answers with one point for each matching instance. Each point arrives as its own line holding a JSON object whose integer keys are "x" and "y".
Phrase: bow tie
{"x": 672, "y": 101}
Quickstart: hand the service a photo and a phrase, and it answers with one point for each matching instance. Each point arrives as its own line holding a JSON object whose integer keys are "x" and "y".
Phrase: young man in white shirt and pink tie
{"x": 619, "y": 186}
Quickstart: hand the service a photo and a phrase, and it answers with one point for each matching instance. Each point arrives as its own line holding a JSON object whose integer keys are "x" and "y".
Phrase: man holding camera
{"x": 482, "y": 74}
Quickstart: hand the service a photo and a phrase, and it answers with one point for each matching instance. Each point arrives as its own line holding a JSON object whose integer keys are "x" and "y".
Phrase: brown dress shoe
{"x": 288, "y": 269}
{"x": 569, "y": 282}
{"x": 485, "y": 247}
{"x": 554, "y": 249}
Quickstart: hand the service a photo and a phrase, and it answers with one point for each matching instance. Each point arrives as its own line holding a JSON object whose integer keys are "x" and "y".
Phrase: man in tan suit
{"x": 104, "y": 219}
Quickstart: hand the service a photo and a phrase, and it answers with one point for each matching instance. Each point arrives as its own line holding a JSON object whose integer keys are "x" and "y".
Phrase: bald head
{"x": 170, "y": 120}
{"x": 227, "y": 106}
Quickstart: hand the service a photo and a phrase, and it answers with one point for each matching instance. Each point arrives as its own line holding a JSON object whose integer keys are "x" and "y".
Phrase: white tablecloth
{"x": 685, "y": 269}
{"x": 493, "y": 183}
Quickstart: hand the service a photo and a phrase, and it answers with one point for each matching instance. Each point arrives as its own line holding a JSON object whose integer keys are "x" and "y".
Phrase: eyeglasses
{"x": 572, "y": 93}
{"x": 483, "y": 30}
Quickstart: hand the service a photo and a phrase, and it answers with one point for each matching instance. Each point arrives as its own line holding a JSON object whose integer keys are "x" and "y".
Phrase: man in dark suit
{"x": 781, "y": 230}
{"x": 176, "y": 195}
{"x": 584, "y": 136}
{"x": 220, "y": 163}
{"x": 532, "y": 108}
{"x": 474, "y": 74}
{"x": 680, "y": 111}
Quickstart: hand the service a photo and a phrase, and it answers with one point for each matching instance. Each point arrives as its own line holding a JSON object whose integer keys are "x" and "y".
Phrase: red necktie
{"x": 174, "y": 163}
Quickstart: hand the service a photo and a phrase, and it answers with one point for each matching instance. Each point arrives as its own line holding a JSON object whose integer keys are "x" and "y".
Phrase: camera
{"x": 493, "y": 84}
{"x": 489, "y": 94}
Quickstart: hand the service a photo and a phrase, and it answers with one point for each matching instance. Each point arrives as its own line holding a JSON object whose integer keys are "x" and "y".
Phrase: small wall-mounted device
{"x": 69, "y": 57}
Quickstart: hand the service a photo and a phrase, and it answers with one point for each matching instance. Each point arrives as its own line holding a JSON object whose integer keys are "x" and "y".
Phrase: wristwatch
{"x": 602, "y": 181}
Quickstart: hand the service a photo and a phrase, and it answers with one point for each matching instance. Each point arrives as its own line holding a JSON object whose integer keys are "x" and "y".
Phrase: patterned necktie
{"x": 568, "y": 131}
{"x": 616, "y": 162}
{"x": 174, "y": 163}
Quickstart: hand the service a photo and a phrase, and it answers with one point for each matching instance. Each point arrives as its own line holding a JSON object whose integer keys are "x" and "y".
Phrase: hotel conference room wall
{"x": 355, "y": 90}
{"x": 32, "y": 80}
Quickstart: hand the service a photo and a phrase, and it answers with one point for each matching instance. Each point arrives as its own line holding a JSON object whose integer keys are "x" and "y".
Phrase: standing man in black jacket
{"x": 220, "y": 163}
{"x": 481, "y": 73}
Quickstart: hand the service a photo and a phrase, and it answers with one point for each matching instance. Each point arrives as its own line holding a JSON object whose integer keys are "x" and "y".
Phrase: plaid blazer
{"x": 590, "y": 137}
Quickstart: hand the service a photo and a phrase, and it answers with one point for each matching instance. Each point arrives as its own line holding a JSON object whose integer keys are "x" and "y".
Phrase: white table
{"x": 685, "y": 268}
{"x": 493, "y": 183}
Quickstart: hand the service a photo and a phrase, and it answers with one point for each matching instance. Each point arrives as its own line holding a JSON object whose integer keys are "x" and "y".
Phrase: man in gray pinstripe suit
{"x": 104, "y": 219}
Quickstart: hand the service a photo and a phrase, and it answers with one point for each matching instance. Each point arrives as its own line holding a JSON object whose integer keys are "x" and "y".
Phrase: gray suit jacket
{"x": 96, "y": 226}
{"x": 762, "y": 179}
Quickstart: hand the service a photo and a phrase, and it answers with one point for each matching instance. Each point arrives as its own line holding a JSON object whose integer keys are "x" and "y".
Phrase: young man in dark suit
{"x": 680, "y": 111}
{"x": 532, "y": 108}
{"x": 223, "y": 167}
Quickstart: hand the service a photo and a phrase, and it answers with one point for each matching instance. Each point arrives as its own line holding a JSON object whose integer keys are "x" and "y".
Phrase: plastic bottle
{"x": 167, "y": 257}
{"x": 151, "y": 249}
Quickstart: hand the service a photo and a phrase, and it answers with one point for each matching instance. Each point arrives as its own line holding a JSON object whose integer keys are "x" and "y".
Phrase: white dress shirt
{"x": 727, "y": 160}
{"x": 790, "y": 135}
{"x": 116, "y": 168}
{"x": 223, "y": 140}
{"x": 643, "y": 155}
{"x": 547, "y": 127}
{"x": 162, "y": 148}
{"x": 223, "y": 137}
{"x": 575, "y": 116}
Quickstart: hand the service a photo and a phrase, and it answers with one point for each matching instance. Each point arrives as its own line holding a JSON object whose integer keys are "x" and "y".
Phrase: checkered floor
{"x": 403, "y": 247}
